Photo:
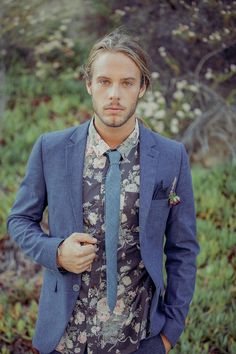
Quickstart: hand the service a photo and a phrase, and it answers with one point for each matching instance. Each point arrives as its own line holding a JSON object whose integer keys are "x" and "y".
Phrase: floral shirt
{"x": 92, "y": 323}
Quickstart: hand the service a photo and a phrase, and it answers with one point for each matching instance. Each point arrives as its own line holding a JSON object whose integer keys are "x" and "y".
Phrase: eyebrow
{"x": 124, "y": 78}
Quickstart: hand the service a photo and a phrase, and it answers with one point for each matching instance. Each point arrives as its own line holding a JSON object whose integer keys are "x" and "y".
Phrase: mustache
{"x": 118, "y": 106}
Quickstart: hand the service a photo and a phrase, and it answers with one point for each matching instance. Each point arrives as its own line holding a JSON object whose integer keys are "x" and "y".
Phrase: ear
{"x": 88, "y": 86}
{"x": 142, "y": 91}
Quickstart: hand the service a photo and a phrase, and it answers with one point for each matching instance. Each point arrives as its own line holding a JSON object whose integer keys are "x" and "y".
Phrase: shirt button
{"x": 76, "y": 287}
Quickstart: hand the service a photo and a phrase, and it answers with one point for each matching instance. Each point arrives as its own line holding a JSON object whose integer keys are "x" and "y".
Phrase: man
{"x": 69, "y": 172}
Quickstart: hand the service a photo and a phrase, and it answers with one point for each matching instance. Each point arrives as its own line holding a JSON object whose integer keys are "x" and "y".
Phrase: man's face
{"x": 115, "y": 89}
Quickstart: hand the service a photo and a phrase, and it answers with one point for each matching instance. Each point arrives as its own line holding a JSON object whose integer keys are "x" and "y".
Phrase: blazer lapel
{"x": 149, "y": 158}
{"x": 75, "y": 151}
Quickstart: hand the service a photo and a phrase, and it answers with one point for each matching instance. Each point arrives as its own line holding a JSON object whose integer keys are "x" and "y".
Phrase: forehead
{"x": 115, "y": 64}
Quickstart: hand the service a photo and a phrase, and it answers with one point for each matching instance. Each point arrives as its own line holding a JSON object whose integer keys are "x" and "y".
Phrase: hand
{"x": 77, "y": 253}
{"x": 166, "y": 343}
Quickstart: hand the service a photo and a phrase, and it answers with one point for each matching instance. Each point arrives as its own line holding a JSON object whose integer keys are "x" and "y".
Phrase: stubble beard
{"x": 117, "y": 121}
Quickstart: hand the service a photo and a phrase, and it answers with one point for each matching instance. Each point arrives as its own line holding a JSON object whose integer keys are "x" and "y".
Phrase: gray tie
{"x": 112, "y": 224}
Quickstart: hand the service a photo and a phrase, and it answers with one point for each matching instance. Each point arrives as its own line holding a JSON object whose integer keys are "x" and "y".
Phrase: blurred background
{"x": 192, "y": 46}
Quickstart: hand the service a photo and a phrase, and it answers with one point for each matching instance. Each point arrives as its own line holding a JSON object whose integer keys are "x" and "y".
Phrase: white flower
{"x": 157, "y": 94}
{"x": 120, "y": 289}
{"x": 161, "y": 100}
{"x": 186, "y": 107}
{"x": 120, "y": 12}
{"x": 181, "y": 84}
{"x": 123, "y": 218}
{"x": 178, "y": 95}
{"x": 191, "y": 34}
{"x": 233, "y": 68}
{"x": 56, "y": 64}
{"x": 124, "y": 269}
{"x": 209, "y": 74}
{"x": 148, "y": 111}
{"x": 86, "y": 278}
{"x": 132, "y": 187}
{"x": 162, "y": 52}
{"x": 155, "y": 75}
{"x": 149, "y": 97}
{"x": 193, "y": 88}
{"x": 79, "y": 318}
{"x": 69, "y": 42}
{"x": 103, "y": 316}
{"x": 160, "y": 114}
{"x": 94, "y": 329}
{"x": 93, "y": 218}
{"x": 63, "y": 28}
{"x": 99, "y": 177}
{"x": 82, "y": 337}
{"x": 99, "y": 163}
{"x": 174, "y": 126}
{"x": 126, "y": 281}
{"x": 136, "y": 179}
{"x": 3, "y": 52}
{"x": 69, "y": 343}
{"x": 197, "y": 112}
{"x": 180, "y": 114}
{"x": 120, "y": 306}
{"x": 122, "y": 201}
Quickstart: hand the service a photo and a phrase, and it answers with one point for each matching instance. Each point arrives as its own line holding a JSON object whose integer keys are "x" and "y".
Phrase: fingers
{"x": 78, "y": 252}
{"x": 89, "y": 258}
{"x": 82, "y": 237}
{"x": 86, "y": 250}
{"x": 84, "y": 268}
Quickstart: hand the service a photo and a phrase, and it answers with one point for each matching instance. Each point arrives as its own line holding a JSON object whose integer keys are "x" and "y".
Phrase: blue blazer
{"x": 54, "y": 179}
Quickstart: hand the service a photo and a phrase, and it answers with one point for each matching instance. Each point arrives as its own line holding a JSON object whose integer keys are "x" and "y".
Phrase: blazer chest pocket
{"x": 157, "y": 217}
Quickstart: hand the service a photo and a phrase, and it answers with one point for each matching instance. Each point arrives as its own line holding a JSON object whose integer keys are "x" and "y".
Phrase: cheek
{"x": 98, "y": 91}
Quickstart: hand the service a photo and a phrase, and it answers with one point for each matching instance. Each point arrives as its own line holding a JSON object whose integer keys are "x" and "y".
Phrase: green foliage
{"x": 35, "y": 106}
{"x": 211, "y": 320}
{"x": 19, "y": 303}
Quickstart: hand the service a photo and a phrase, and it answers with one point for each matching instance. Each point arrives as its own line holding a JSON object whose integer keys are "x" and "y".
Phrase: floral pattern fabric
{"x": 92, "y": 323}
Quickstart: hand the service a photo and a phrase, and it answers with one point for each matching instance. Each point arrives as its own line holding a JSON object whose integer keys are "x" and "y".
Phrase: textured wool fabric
{"x": 153, "y": 345}
{"x": 112, "y": 224}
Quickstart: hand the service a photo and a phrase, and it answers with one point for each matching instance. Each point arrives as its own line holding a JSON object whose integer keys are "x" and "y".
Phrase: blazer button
{"x": 76, "y": 287}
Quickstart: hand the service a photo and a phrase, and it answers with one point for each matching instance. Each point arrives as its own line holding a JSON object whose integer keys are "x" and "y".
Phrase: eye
{"x": 103, "y": 82}
{"x": 127, "y": 83}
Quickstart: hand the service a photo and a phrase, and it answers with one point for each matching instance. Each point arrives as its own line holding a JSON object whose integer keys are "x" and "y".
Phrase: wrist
{"x": 59, "y": 255}
{"x": 166, "y": 342}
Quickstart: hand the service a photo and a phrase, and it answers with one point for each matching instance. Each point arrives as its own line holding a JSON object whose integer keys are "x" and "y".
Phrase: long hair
{"x": 119, "y": 41}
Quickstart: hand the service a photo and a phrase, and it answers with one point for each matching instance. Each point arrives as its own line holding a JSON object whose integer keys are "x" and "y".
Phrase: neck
{"x": 114, "y": 136}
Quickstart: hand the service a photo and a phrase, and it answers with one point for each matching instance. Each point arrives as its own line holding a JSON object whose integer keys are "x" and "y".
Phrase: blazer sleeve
{"x": 181, "y": 249}
{"x": 23, "y": 223}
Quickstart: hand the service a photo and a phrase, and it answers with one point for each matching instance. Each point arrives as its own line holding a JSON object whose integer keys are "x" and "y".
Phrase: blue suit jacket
{"x": 54, "y": 179}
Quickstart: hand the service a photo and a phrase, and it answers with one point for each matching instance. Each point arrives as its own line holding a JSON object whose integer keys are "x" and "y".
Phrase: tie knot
{"x": 114, "y": 156}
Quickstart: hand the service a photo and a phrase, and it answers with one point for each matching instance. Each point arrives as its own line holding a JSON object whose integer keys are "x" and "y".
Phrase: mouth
{"x": 114, "y": 109}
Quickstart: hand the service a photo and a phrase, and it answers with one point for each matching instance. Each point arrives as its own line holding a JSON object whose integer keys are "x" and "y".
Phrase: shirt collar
{"x": 99, "y": 146}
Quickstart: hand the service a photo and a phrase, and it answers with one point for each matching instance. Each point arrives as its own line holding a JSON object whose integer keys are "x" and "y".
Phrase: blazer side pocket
{"x": 157, "y": 217}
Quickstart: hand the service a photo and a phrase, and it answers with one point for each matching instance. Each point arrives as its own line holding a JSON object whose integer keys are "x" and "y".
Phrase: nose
{"x": 114, "y": 92}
